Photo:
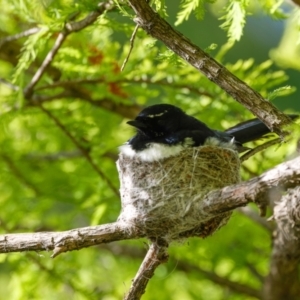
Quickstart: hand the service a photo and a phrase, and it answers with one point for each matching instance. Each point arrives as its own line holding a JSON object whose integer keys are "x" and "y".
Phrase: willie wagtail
{"x": 164, "y": 130}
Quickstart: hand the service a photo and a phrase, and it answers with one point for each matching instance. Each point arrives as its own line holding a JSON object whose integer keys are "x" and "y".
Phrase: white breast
{"x": 156, "y": 151}
{"x": 153, "y": 152}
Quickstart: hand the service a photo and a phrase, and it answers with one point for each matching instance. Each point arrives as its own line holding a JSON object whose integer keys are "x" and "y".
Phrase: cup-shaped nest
{"x": 162, "y": 198}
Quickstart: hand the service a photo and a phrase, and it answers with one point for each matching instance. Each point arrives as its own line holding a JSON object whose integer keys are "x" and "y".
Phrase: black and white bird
{"x": 164, "y": 130}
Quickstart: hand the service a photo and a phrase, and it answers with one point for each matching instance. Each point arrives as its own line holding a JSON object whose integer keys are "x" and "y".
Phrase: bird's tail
{"x": 251, "y": 130}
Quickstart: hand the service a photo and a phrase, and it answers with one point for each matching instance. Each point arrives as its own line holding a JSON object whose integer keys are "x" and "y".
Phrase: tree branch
{"x": 47, "y": 61}
{"x": 70, "y": 283}
{"x": 82, "y": 149}
{"x": 222, "y": 281}
{"x": 254, "y": 190}
{"x": 19, "y": 35}
{"x": 254, "y": 216}
{"x": 65, "y": 241}
{"x": 158, "y": 28}
{"x": 18, "y": 174}
{"x": 125, "y": 110}
{"x": 9, "y": 84}
{"x": 131, "y": 47}
{"x": 259, "y": 148}
{"x": 283, "y": 281}
{"x": 156, "y": 255}
{"x": 162, "y": 82}
{"x": 68, "y": 29}
{"x": 187, "y": 267}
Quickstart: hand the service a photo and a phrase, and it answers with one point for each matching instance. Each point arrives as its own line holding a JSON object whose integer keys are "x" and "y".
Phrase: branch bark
{"x": 157, "y": 27}
{"x": 65, "y": 241}
{"x": 283, "y": 280}
{"x": 254, "y": 190}
{"x": 156, "y": 255}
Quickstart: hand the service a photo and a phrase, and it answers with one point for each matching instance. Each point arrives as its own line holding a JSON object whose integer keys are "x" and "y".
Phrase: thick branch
{"x": 286, "y": 175}
{"x": 66, "y": 240}
{"x": 283, "y": 281}
{"x": 157, "y": 27}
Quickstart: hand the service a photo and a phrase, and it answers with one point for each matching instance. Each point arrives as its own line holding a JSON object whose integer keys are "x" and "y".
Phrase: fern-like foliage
{"x": 235, "y": 19}
{"x": 189, "y": 6}
{"x": 273, "y": 8}
{"x": 32, "y": 46}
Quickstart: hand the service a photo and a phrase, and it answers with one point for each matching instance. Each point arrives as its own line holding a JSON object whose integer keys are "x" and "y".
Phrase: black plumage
{"x": 168, "y": 125}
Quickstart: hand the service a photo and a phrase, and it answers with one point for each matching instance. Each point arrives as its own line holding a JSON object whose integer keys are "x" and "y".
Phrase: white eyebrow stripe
{"x": 157, "y": 115}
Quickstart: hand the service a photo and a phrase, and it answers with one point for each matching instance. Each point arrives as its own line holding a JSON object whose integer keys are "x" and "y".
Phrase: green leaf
{"x": 273, "y": 8}
{"x": 235, "y": 19}
{"x": 187, "y": 7}
{"x": 33, "y": 45}
{"x": 160, "y": 7}
{"x": 282, "y": 91}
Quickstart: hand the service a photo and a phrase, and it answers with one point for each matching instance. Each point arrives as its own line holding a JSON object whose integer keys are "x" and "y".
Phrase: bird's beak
{"x": 137, "y": 124}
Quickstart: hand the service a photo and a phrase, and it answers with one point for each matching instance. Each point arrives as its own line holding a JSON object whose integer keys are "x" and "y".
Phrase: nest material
{"x": 161, "y": 198}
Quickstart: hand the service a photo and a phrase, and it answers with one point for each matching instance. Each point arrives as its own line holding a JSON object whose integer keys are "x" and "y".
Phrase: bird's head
{"x": 158, "y": 120}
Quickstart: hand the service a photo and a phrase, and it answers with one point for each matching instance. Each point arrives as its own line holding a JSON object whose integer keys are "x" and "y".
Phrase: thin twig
{"x": 253, "y": 215}
{"x": 48, "y": 59}
{"x": 81, "y": 148}
{"x": 10, "y": 85}
{"x": 19, "y": 35}
{"x": 255, "y": 272}
{"x": 42, "y": 99}
{"x": 227, "y": 283}
{"x": 260, "y": 148}
{"x": 68, "y": 28}
{"x": 187, "y": 267}
{"x": 65, "y": 155}
{"x": 156, "y": 255}
{"x": 58, "y": 276}
{"x": 123, "y": 109}
{"x": 163, "y": 82}
{"x": 16, "y": 172}
{"x": 131, "y": 46}
{"x": 54, "y": 156}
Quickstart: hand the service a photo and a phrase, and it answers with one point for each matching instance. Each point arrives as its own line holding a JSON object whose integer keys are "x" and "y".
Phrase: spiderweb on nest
{"x": 161, "y": 198}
